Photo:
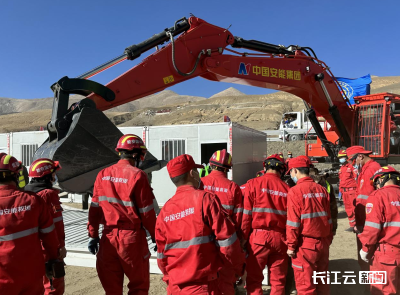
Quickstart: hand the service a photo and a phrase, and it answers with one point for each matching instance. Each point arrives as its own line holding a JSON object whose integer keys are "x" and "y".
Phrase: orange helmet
{"x": 130, "y": 142}
{"x": 221, "y": 159}
{"x": 342, "y": 153}
{"x": 9, "y": 164}
{"x": 42, "y": 167}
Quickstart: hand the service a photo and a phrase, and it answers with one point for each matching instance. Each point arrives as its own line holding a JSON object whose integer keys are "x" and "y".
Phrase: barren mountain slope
{"x": 256, "y": 111}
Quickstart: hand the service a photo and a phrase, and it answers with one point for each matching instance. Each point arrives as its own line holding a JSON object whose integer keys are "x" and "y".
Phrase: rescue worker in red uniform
{"x": 381, "y": 236}
{"x": 123, "y": 201}
{"x": 347, "y": 186}
{"x": 25, "y": 225}
{"x": 264, "y": 225}
{"x": 366, "y": 169}
{"x": 308, "y": 228}
{"x": 43, "y": 173}
{"x": 194, "y": 234}
{"x": 231, "y": 198}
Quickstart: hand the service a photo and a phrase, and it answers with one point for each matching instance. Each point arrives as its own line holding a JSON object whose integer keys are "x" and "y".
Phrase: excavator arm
{"x": 83, "y": 134}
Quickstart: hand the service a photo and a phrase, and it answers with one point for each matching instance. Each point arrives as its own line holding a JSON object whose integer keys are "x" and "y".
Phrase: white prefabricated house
{"x": 247, "y": 146}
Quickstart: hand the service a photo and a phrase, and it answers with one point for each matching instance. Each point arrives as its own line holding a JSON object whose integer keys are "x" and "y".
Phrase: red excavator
{"x": 83, "y": 139}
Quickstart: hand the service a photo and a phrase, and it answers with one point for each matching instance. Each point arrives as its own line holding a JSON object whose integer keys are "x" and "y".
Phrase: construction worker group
{"x": 212, "y": 235}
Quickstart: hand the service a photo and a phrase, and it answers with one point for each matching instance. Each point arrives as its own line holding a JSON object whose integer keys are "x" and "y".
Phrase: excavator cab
{"x": 82, "y": 138}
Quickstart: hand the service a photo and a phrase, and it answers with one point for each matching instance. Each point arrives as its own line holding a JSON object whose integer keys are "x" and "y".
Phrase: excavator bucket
{"x": 82, "y": 139}
{"x": 87, "y": 148}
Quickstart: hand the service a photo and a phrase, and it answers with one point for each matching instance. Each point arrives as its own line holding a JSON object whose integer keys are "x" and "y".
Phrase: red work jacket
{"x": 228, "y": 192}
{"x": 51, "y": 198}
{"x": 308, "y": 212}
{"x": 347, "y": 177}
{"x": 25, "y": 222}
{"x": 364, "y": 189}
{"x": 195, "y": 238}
{"x": 382, "y": 224}
{"x": 265, "y": 204}
{"x": 122, "y": 198}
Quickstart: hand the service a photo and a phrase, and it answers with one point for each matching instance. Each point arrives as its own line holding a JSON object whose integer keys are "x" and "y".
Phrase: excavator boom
{"x": 200, "y": 50}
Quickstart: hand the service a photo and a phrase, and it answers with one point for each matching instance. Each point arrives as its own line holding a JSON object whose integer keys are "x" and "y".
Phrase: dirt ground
{"x": 84, "y": 281}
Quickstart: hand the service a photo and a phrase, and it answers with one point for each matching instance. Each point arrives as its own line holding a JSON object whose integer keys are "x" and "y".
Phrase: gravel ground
{"x": 84, "y": 281}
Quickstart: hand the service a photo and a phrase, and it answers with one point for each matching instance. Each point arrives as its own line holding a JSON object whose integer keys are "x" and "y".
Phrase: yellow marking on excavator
{"x": 168, "y": 79}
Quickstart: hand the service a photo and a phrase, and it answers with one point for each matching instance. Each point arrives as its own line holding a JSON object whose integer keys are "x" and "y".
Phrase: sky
{"x": 43, "y": 41}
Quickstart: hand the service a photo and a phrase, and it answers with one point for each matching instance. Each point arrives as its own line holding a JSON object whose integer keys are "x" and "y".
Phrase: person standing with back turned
{"x": 195, "y": 235}
{"x": 308, "y": 228}
{"x": 25, "y": 225}
{"x": 230, "y": 195}
{"x": 123, "y": 201}
{"x": 43, "y": 173}
{"x": 264, "y": 226}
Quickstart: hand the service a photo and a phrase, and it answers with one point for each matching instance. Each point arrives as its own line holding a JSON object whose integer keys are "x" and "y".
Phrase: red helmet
{"x": 221, "y": 159}
{"x": 42, "y": 167}
{"x": 275, "y": 160}
{"x": 129, "y": 142}
{"x": 342, "y": 153}
{"x": 9, "y": 163}
{"x": 383, "y": 171}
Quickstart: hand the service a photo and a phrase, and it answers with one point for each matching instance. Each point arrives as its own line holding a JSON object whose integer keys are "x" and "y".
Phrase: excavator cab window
{"x": 394, "y": 128}
{"x": 370, "y": 127}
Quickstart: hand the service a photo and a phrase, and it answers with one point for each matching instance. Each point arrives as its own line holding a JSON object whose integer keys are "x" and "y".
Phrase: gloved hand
{"x": 155, "y": 247}
{"x": 340, "y": 196}
{"x": 93, "y": 245}
{"x": 49, "y": 269}
{"x": 364, "y": 255}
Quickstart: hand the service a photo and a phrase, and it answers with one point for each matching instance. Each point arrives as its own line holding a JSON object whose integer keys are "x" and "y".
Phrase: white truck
{"x": 295, "y": 126}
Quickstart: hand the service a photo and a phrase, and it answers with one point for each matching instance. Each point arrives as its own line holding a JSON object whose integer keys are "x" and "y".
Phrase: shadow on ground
{"x": 343, "y": 265}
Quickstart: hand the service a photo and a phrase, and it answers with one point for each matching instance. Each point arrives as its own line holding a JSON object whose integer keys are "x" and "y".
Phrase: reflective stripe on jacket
{"x": 25, "y": 225}
{"x": 122, "y": 198}
{"x": 195, "y": 238}
{"x": 364, "y": 189}
{"x": 228, "y": 192}
{"x": 382, "y": 225}
{"x": 309, "y": 212}
{"x": 51, "y": 198}
{"x": 265, "y": 204}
